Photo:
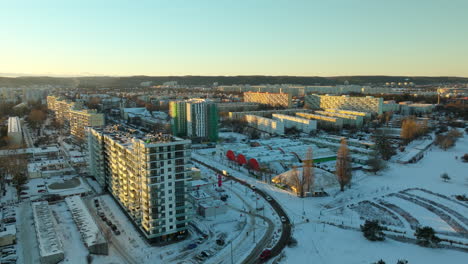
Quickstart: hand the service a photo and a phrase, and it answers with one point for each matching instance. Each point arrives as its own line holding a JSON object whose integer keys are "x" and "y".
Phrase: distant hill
{"x": 133, "y": 81}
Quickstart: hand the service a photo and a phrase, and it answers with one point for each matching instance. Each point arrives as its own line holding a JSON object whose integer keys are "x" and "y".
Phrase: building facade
{"x": 79, "y": 119}
{"x": 265, "y": 124}
{"x": 324, "y": 121}
{"x": 15, "y": 133}
{"x": 369, "y": 104}
{"x": 147, "y": 175}
{"x": 62, "y": 108}
{"x": 195, "y": 118}
{"x": 303, "y": 124}
{"x": 271, "y": 99}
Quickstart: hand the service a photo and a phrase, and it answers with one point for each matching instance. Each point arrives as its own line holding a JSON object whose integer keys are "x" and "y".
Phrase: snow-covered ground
{"x": 322, "y": 243}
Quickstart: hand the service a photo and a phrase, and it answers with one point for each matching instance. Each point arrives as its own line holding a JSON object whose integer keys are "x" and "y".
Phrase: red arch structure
{"x": 253, "y": 163}
{"x": 230, "y": 155}
{"x": 241, "y": 160}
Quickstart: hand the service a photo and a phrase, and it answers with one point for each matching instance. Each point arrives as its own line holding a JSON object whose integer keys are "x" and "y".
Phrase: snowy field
{"x": 322, "y": 243}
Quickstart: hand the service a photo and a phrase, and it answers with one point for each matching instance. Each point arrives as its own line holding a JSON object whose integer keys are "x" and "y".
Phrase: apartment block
{"x": 195, "y": 118}
{"x": 79, "y": 119}
{"x": 267, "y": 113}
{"x": 271, "y": 99}
{"x": 265, "y": 124}
{"x": 15, "y": 133}
{"x": 349, "y": 120}
{"x": 303, "y": 124}
{"x": 147, "y": 174}
{"x": 62, "y": 108}
{"x": 324, "y": 121}
{"x": 368, "y": 104}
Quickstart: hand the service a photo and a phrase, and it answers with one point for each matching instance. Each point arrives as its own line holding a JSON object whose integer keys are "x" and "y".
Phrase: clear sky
{"x": 235, "y": 37}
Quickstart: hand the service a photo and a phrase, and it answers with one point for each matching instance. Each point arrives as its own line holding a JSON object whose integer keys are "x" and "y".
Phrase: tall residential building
{"x": 272, "y": 99}
{"x": 79, "y": 119}
{"x": 147, "y": 174}
{"x": 368, "y": 104}
{"x": 178, "y": 112}
{"x": 195, "y": 118}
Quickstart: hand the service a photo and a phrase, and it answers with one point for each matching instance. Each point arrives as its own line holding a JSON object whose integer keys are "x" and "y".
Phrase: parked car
{"x": 41, "y": 191}
{"x": 268, "y": 198}
{"x": 283, "y": 219}
{"x": 116, "y": 232}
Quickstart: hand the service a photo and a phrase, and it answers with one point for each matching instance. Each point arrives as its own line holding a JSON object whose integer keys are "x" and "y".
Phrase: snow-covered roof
{"x": 14, "y": 125}
{"x": 49, "y": 244}
{"x": 88, "y": 229}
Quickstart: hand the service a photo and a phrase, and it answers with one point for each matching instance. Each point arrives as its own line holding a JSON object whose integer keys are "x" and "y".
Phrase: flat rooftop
{"x": 14, "y": 125}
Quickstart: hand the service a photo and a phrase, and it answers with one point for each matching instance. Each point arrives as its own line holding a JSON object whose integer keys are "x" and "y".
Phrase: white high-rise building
{"x": 147, "y": 174}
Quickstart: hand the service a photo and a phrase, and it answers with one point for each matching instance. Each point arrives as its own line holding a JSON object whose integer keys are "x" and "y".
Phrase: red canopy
{"x": 230, "y": 155}
{"x": 241, "y": 159}
{"x": 253, "y": 163}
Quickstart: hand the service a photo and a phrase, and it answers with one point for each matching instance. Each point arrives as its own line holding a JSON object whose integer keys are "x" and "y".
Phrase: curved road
{"x": 286, "y": 230}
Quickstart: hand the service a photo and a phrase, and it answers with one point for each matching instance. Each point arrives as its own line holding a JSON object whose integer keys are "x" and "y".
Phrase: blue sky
{"x": 220, "y": 37}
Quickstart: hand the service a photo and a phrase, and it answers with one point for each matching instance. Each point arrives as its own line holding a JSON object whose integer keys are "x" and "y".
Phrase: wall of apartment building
{"x": 149, "y": 181}
{"x": 272, "y": 99}
{"x": 265, "y": 124}
{"x": 79, "y": 119}
{"x": 303, "y": 124}
{"x": 367, "y": 104}
{"x": 324, "y": 121}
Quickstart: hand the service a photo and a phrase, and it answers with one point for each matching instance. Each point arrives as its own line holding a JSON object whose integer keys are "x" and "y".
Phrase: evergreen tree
{"x": 373, "y": 231}
{"x": 384, "y": 146}
{"x": 426, "y": 236}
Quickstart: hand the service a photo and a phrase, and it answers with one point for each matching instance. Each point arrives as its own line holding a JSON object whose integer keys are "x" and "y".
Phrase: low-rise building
{"x": 265, "y": 124}
{"x": 324, "y": 121}
{"x": 15, "y": 133}
{"x": 90, "y": 233}
{"x": 50, "y": 246}
{"x": 349, "y": 120}
{"x": 302, "y": 124}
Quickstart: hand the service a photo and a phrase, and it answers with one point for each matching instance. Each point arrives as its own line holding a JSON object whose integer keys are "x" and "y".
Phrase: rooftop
{"x": 49, "y": 244}
{"x": 14, "y": 125}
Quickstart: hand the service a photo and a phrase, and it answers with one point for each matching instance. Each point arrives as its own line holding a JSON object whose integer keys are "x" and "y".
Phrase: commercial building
{"x": 50, "y": 246}
{"x": 368, "y": 104}
{"x": 15, "y": 133}
{"x": 271, "y": 99}
{"x": 265, "y": 124}
{"x": 79, "y": 119}
{"x": 302, "y": 124}
{"x": 324, "y": 121}
{"x": 195, "y": 118}
{"x": 147, "y": 174}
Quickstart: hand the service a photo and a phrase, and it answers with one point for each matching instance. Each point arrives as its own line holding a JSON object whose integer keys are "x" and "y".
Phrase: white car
{"x": 268, "y": 198}
{"x": 283, "y": 219}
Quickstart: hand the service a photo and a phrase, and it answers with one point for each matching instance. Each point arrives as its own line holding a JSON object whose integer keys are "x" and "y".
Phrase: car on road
{"x": 283, "y": 219}
{"x": 191, "y": 246}
{"x": 268, "y": 198}
{"x": 116, "y": 232}
{"x": 266, "y": 254}
{"x": 252, "y": 187}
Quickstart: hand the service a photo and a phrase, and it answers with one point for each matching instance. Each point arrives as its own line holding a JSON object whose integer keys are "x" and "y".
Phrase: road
{"x": 286, "y": 230}
{"x": 27, "y": 137}
{"x": 112, "y": 240}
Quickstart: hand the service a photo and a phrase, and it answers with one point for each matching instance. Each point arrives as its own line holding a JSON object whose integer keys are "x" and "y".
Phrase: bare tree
{"x": 343, "y": 165}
